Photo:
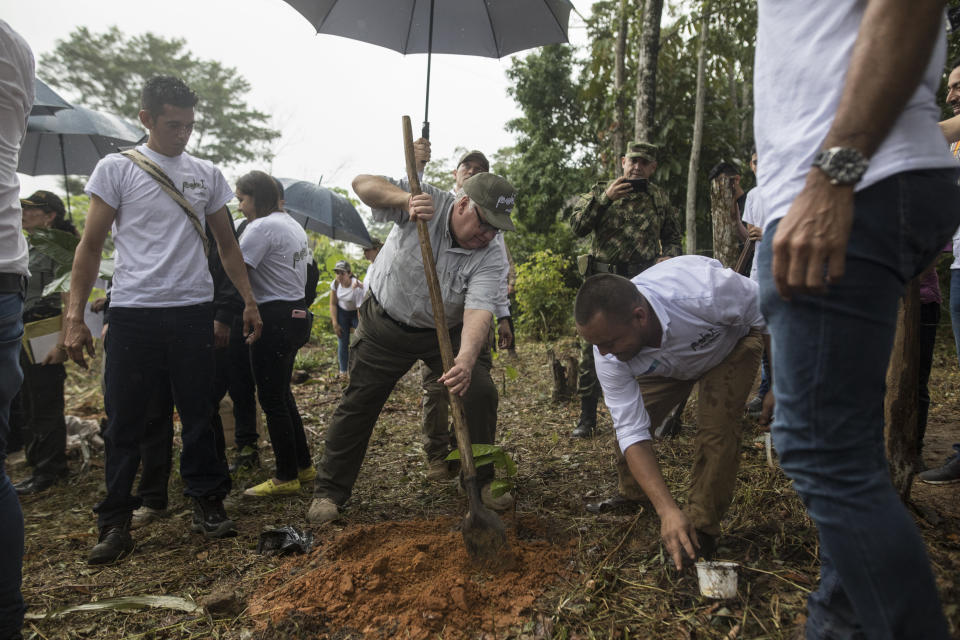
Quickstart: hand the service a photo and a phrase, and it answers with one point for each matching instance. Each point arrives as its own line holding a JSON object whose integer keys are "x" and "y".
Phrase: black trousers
{"x": 37, "y": 414}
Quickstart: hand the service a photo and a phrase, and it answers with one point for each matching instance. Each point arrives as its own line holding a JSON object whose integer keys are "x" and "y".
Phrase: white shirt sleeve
{"x": 621, "y": 394}
{"x": 254, "y": 244}
{"x": 104, "y": 182}
{"x": 220, "y": 194}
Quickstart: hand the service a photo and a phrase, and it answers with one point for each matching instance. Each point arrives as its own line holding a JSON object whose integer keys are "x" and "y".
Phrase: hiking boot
{"x": 35, "y": 484}
{"x": 322, "y": 510}
{"x": 501, "y": 503}
{"x": 145, "y": 515}
{"x": 439, "y": 471}
{"x": 307, "y": 475}
{"x": 113, "y": 544}
{"x": 210, "y": 519}
{"x": 247, "y": 459}
{"x": 587, "y": 423}
{"x": 946, "y": 474}
{"x": 272, "y": 489}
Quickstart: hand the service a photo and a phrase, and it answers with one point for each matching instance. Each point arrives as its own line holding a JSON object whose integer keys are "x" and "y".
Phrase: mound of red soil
{"x": 412, "y": 579}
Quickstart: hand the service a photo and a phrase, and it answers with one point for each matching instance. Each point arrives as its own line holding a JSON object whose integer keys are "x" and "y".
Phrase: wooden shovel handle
{"x": 439, "y": 317}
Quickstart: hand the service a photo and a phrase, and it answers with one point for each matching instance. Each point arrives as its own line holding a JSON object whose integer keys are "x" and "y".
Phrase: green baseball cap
{"x": 643, "y": 150}
{"x": 475, "y": 155}
{"x": 494, "y": 197}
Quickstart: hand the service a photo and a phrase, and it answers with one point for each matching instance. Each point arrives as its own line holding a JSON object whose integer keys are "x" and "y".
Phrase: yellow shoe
{"x": 272, "y": 488}
{"x": 307, "y": 475}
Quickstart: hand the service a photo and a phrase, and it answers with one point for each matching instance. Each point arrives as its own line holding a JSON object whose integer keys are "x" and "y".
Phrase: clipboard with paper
{"x": 41, "y": 336}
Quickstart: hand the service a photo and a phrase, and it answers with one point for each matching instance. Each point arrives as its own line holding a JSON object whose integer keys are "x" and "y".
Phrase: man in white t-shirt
{"x": 16, "y": 100}
{"x": 683, "y": 321}
{"x": 161, "y": 312}
{"x": 856, "y": 207}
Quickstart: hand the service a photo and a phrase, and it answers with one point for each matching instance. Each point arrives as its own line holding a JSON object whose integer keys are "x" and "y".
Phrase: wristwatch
{"x": 842, "y": 165}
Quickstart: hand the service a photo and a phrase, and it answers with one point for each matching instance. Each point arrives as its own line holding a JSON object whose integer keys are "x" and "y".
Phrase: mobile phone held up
{"x": 639, "y": 185}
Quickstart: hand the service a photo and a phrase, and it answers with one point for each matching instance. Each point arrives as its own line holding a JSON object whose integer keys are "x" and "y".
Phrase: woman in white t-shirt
{"x": 275, "y": 251}
{"x": 346, "y": 294}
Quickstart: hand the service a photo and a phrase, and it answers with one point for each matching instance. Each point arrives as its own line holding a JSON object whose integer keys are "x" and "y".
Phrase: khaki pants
{"x": 380, "y": 354}
{"x": 723, "y": 393}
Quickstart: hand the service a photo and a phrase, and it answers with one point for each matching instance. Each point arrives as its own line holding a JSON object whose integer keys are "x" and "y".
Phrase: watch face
{"x": 843, "y": 165}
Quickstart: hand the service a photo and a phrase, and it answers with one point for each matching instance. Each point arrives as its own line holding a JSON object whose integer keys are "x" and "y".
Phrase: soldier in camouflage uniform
{"x": 633, "y": 227}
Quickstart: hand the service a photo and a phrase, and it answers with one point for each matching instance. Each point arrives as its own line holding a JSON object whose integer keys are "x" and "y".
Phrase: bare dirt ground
{"x": 393, "y": 567}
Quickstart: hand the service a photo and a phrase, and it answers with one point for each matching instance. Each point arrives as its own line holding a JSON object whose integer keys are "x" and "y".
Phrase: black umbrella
{"x": 320, "y": 209}
{"x": 489, "y": 28}
{"x": 46, "y": 101}
{"x": 72, "y": 141}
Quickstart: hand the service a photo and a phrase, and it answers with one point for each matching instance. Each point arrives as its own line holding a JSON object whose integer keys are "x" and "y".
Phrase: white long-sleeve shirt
{"x": 704, "y": 310}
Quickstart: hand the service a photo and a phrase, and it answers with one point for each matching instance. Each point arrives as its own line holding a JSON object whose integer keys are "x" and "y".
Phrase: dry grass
{"x": 622, "y": 588}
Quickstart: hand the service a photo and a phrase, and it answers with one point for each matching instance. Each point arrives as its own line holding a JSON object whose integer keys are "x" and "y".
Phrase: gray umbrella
{"x": 46, "y": 101}
{"x": 489, "y": 28}
{"x": 72, "y": 141}
{"x": 320, "y": 209}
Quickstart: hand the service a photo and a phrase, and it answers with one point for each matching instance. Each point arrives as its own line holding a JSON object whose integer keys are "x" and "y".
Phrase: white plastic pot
{"x": 718, "y": 580}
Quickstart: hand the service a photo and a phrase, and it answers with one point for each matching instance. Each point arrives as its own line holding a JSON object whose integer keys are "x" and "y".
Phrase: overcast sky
{"x": 337, "y": 102}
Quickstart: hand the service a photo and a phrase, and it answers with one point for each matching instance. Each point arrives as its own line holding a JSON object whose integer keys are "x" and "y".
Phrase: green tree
{"x": 108, "y": 71}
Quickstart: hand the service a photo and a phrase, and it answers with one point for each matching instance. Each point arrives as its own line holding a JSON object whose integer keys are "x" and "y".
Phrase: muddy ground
{"x": 394, "y": 566}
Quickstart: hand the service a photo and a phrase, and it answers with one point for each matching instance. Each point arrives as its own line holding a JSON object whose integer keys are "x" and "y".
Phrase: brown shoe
{"x": 439, "y": 471}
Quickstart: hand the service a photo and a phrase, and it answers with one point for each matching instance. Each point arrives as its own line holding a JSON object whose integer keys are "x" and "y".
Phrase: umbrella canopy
{"x": 46, "y": 101}
{"x": 320, "y": 209}
{"x": 72, "y": 141}
{"x": 489, "y": 28}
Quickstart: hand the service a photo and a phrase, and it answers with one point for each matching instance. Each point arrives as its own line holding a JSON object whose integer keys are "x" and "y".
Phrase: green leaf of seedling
{"x": 486, "y": 454}
{"x": 499, "y": 487}
{"x": 58, "y": 285}
{"x": 57, "y": 245}
{"x": 512, "y": 372}
{"x": 482, "y": 460}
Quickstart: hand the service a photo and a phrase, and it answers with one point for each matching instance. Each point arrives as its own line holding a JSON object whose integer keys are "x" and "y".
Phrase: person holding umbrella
{"x": 275, "y": 250}
{"x": 38, "y": 409}
{"x": 346, "y": 295}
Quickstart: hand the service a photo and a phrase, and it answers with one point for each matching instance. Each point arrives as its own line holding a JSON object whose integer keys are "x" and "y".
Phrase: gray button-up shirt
{"x": 469, "y": 279}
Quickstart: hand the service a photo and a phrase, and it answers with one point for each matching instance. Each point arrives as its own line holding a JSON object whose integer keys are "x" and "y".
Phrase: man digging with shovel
{"x": 397, "y": 327}
{"x": 680, "y": 322}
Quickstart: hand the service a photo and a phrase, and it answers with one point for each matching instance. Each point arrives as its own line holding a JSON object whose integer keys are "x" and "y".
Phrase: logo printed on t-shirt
{"x": 300, "y": 255}
{"x": 706, "y": 338}
{"x": 193, "y": 184}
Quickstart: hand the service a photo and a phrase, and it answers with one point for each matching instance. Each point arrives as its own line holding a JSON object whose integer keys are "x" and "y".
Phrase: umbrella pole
{"x": 66, "y": 185}
{"x": 425, "y": 131}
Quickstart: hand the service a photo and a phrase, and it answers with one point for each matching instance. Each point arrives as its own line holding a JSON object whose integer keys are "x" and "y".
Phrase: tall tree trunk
{"x": 692, "y": 169}
{"x": 901, "y": 401}
{"x": 647, "y": 70}
{"x": 725, "y": 222}
{"x": 619, "y": 73}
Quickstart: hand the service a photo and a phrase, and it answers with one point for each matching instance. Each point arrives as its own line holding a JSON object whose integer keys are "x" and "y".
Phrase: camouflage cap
{"x": 643, "y": 150}
{"x": 44, "y": 200}
{"x": 494, "y": 197}
{"x": 475, "y": 155}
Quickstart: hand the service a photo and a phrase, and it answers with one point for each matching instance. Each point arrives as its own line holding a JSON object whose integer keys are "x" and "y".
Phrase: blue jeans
{"x": 146, "y": 349}
{"x": 830, "y": 357}
{"x": 347, "y": 320}
{"x": 11, "y": 517}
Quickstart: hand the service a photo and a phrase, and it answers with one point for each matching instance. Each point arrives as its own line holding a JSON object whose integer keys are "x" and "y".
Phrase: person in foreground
{"x": 856, "y": 208}
{"x": 161, "y": 310}
{"x": 397, "y": 326}
{"x": 684, "y": 321}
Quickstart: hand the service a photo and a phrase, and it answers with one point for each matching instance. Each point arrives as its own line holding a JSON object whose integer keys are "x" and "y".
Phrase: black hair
{"x": 161, "y": 90}
{"x": 613, "y": 295}
{"x": 279, "y": 186}
{"x": 263, "y": 189}
{"x": 722, "y": 168}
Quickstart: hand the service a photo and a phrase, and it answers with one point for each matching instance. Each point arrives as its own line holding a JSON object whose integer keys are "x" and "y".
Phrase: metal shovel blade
{"x": 483, "y": 532}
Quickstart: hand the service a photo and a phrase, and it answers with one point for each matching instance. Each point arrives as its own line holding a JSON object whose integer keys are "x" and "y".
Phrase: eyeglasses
{"x": 485, "y": 226}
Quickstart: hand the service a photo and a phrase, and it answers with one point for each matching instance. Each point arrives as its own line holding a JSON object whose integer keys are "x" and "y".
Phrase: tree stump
{"x": 564, "y": 372}
{"x": 726, "y": 241}
{"x": 901, "y": 401}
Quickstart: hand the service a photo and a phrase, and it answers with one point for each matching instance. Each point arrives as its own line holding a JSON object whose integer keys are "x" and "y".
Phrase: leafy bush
{"x": 544, "y": 300}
